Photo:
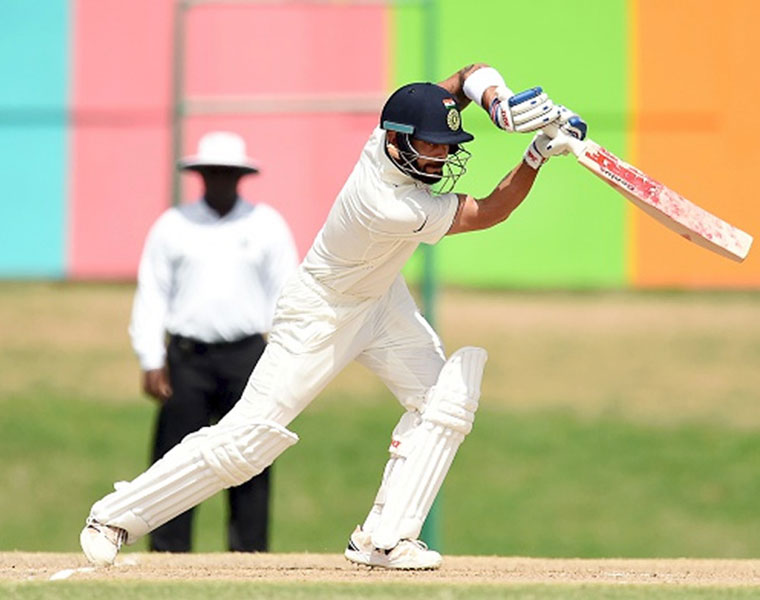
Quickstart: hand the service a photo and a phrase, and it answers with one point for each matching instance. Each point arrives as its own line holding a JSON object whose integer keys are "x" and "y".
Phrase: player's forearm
{"x": 508, "y": 195}
{"x": 475, "y": 214}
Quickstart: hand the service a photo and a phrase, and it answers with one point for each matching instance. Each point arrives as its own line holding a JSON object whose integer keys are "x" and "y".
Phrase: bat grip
{"x": 576, "y": 146}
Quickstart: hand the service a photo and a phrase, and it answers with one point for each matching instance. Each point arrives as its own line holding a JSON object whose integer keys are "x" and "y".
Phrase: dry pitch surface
{"x": 19, "y": 567}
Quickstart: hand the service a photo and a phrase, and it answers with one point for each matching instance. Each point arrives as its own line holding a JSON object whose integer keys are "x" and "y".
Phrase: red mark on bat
{"x": 624, "y": 175}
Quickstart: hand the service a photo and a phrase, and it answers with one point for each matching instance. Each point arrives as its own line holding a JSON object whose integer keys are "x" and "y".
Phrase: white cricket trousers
{"x": 316, "y": 334}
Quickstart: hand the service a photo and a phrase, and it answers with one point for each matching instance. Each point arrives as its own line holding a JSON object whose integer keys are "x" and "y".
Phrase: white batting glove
{"x": 572, "y": 123}
{"x": 543, "y": 147}
{"x": 527, "y": 111}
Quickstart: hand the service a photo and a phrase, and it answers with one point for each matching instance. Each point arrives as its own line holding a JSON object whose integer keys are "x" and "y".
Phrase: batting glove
{"x": 527, "y": 111}
{"x": 543, "y": 147}
{"x": 571, "y": 123}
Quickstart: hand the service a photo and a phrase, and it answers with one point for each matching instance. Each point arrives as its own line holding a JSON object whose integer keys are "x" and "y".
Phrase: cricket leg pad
{"x": 429, "y": 449}
{"x": 205, "y": 462}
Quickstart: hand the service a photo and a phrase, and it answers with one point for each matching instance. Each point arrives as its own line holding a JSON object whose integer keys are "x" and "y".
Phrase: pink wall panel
{"x": 122, "y": 54}
{"x": 120, "y": 140}
{"x": 304, "y": 162}
{"x": 236, "y": 49}
{"x": 121, "y": 184}
{"x": 288, "y": 49}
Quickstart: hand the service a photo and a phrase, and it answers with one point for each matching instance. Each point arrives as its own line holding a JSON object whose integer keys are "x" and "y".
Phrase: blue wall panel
{"x": 34, "y": 59}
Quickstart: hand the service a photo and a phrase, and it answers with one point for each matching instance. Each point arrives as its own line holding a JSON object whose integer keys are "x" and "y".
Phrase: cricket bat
{"x": 660, "y": 202}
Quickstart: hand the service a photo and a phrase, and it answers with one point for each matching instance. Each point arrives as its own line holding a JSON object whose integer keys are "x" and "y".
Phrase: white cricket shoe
{"x": 101, "y": 543}
{"x": 407, "y": 554}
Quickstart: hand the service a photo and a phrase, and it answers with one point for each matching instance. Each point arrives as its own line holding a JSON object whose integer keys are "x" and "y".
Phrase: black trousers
{"x": 207, "y": 380}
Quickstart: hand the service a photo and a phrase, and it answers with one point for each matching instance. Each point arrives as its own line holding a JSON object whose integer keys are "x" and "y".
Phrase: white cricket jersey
{"x": 377, "y": 221}
{"x": 208, "y": 277}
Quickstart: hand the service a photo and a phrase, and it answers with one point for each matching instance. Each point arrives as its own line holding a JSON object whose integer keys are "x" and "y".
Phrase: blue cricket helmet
{"x": 424, "y": 111}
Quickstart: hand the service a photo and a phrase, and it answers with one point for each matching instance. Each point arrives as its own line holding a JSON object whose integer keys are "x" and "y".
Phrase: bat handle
{"x": 576, "y": 146}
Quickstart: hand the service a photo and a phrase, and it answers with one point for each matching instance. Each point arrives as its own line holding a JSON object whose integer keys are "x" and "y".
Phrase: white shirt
{"x": 208, "y": 277}
{"x": 377, "y": 221}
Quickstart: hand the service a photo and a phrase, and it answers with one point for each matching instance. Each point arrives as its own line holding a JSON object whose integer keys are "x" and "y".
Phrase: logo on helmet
{"x": 454, "y": 120}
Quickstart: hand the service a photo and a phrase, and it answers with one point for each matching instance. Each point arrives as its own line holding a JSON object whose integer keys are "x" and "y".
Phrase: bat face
{"x": 669, "y": 208}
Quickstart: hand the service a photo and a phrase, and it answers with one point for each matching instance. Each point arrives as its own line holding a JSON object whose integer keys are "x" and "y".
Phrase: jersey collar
{"x": 389, "y": 172}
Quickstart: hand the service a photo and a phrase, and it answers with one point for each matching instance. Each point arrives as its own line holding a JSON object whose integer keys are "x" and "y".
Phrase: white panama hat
{"x": 220, "y": 149}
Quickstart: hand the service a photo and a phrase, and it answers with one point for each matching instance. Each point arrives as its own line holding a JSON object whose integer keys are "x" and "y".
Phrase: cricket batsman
{"x": 347, "y": 301}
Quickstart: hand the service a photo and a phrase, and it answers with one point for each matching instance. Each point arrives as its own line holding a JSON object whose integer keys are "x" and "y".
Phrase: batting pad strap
{"x": 479, "y": 81}
{"x": 453, "y": 400}
{"x": 457, "y": 414}
{"x": 238, "y": 453}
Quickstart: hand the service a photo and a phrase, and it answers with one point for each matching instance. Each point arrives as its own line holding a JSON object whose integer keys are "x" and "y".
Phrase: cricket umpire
{"x": 348, "y": 301}
{"x": 209, "y": 276}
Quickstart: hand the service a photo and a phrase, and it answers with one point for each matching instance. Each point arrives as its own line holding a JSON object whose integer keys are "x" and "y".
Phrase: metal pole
{"x": 178, "y": 98}
{"x": 431, "y": 529}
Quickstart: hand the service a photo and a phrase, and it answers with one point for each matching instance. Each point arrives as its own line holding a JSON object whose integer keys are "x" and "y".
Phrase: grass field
{"x": 388, "y": 591}
{"x": 611, "y": 425}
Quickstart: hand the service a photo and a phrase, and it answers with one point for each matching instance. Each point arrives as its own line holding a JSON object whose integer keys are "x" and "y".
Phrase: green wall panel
{"x": 570, "y": 231}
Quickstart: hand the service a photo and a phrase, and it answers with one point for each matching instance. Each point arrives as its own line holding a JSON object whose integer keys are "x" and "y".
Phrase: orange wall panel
{"x": 695, "y": 91}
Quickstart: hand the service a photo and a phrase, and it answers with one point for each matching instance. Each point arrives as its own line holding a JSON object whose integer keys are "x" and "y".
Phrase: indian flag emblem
{"x": 449, "y": 102}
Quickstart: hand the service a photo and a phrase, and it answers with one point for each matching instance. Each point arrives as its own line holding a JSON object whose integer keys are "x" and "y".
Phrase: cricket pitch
{"x": 23, "y": 566}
